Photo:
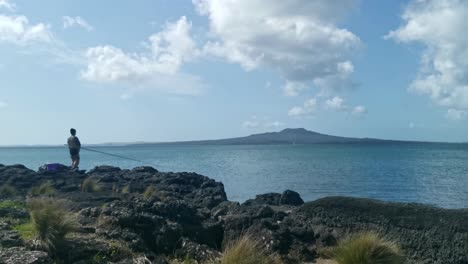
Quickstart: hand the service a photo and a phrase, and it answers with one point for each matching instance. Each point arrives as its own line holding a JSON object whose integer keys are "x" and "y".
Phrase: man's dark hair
{"x": 73, "y": 131}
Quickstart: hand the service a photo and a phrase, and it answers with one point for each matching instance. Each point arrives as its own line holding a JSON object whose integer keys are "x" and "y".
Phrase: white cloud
{"x": 336, "y": 103}
{"x": 274, "y": 124}
{"x": 157, "y": 69}
{"x": 307, "y": 109}
{"x": 293, "y": 88}
{"x": 300, "y": 38}
{"x": 256, "y": 122}
{"x": 456, "y": 115}
{"x": 3, "y": 104}
{"x": 7, "y": 5}
{"x": 36, "y": 38}
{"x": 297, "y": 111}
{"x": 359, "y": 110}
{"x": 18, "y": 30}
{"x": 69, "y": 22}
{"x": 441, "y": 26}
{"x": 338, "y": 81}
{"x": 250, "y": 124}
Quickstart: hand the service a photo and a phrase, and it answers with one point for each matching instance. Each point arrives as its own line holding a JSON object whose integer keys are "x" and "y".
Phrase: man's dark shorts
{"x": 75, "y": 153}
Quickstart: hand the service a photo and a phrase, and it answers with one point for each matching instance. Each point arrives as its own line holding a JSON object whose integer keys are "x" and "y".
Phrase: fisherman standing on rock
{"x": 74, "y": 146}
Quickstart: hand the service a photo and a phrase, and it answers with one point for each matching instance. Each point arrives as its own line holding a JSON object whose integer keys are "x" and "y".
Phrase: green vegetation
{"x": 6, "y": 190}
{"x": 45, "y": 189}
{"x": 247, "y": 250}
{"x": 90, "y": 185}
{"x": 126, "y": 189}
{"x": 367, "y": 248}
{"x": 118, "y": 250}
{"x": 51, "y": 221}
{"x": 99, "y": 258}
{"x": 11, "y": 204}
{"x": 26, "y": 231}
{"x": 149, "y": 192}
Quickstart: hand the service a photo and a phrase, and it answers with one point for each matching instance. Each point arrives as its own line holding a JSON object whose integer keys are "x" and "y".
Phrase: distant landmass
{"x": 286, "y": 136}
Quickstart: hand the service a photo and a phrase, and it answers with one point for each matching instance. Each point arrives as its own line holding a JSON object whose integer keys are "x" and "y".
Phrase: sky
{"x": 167, "y": 70}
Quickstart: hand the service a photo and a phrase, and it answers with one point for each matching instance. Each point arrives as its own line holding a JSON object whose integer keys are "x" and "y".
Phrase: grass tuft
{"x": 367, "y": 248}
{"x": 149, "y": 192}
{"x": 45, "y": 189}
{"x": 120, "y": 250}
{"x": 115, "y": 189}
{"x": 51, "y": 221}
{"x": 90, "y": 185}
{"x": 247, "y": 250}
{"x": 126, "y": 189}
{"x": 6, "y": 190}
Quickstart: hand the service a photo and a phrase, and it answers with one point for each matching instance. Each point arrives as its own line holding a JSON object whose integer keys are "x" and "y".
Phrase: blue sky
{"x": 164, "y": 70}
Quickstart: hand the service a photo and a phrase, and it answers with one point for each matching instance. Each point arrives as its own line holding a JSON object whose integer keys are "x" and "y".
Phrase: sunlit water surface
{"x": 435, "y": 174}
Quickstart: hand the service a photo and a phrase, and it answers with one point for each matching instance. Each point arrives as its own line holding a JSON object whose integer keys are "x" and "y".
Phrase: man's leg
{"x": 77, "y": 161}
{"x": 73, "y": 162}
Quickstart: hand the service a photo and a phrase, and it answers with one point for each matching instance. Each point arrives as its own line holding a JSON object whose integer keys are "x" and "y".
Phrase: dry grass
{"x": 51, "y": 221}
{"x": 367, "y": 248}
{"x": 45, "y": 189}
{"x": 247, "y": 250}
{"x": 120, "y": 250}
{"x": 115, "y": 189}
{"x": 117, "y": 251}
{"x": 90, "y": 185}
{"x": 126, "y": 189}
{"x": 149, "y": 192}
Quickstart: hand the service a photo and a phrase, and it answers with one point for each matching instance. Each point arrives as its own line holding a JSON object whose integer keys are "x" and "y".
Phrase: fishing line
{"x": 119, "y": 156}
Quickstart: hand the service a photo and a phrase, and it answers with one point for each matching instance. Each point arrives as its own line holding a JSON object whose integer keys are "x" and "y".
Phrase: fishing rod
{"x": 119, "y": 156}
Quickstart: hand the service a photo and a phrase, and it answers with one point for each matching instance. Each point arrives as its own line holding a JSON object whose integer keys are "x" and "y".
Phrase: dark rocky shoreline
{"x": 189, "y": 215}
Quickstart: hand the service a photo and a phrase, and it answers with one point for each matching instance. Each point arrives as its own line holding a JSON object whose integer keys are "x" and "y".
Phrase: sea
{"x": 428, "y": 173}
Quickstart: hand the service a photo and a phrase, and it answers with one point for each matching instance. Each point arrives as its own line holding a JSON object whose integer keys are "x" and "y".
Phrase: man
{"x": 74, "y": 145}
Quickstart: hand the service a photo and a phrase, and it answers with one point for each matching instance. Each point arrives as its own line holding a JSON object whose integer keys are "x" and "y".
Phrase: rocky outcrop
{"x": 15, "y": 255}
{"x": 150, "y": 215}
{"x": 427, "y": 234}
{"x": 288, "y": 197}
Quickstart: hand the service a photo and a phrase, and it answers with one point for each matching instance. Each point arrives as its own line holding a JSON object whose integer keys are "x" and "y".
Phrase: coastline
{"x": 189, "y": 214}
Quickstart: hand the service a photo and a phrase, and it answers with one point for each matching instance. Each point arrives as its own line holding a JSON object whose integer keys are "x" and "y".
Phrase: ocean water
{"x": 435, "y": 174}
